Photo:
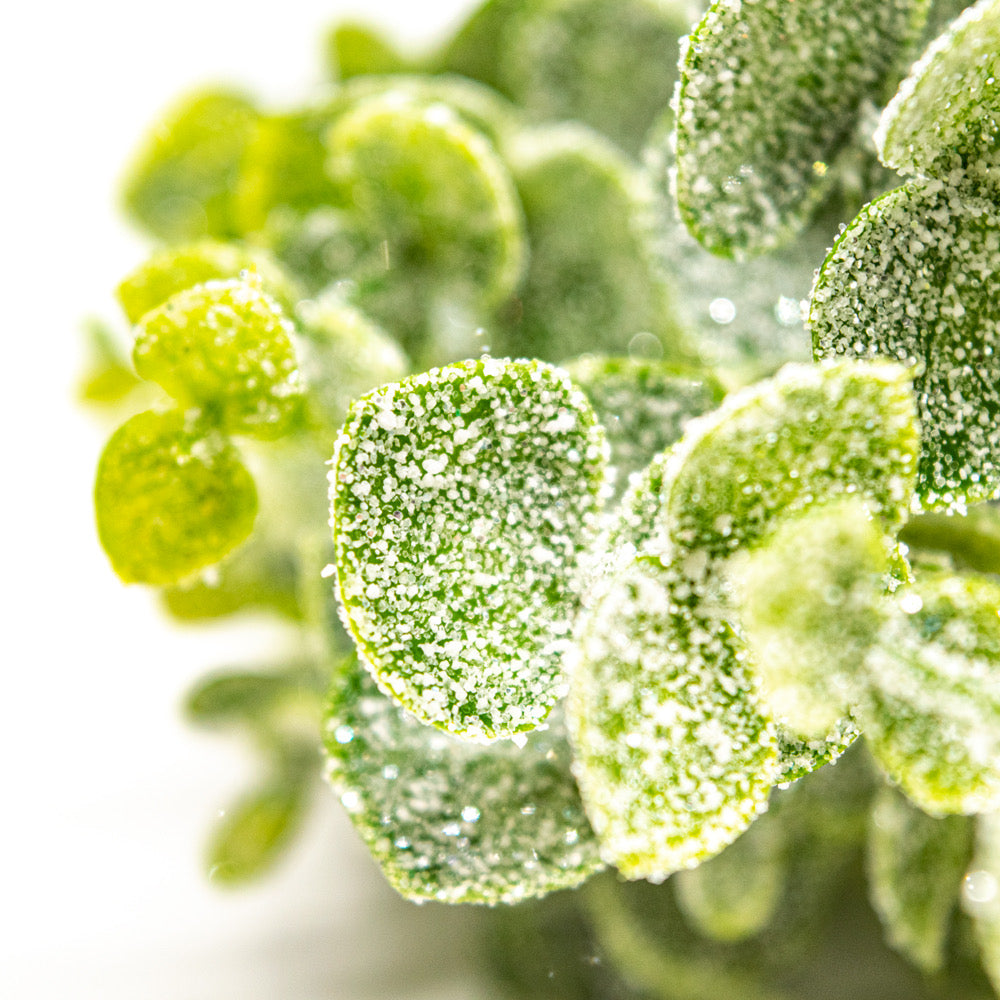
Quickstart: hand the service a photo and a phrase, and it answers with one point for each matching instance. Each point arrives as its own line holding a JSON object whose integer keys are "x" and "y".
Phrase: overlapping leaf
{"x": 461, "y": 501}
{"x": 915, "y": 279}
{"x": 770, "y": 93}
{"x": 448, "y": 820}
{"x": 171, "y": 498}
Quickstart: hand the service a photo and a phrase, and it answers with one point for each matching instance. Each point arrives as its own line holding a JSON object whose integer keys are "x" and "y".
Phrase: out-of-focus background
{"x": 107, "y": 794}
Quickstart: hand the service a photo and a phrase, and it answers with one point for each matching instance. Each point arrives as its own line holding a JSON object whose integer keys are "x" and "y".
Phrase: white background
{"x": 107, "y": 796}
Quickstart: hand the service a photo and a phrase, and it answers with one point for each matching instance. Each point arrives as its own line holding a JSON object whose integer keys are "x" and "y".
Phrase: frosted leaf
{"x": 610, "y": 64}
{"x": 179, "y": 184}
{"x": 461, "y": 500}
{"x": 592, "y": 282}
{"x": 915, "y": 869}
{"x": 735, "y": 895}
{"x": 932, "y": 716}
{"x": 344, "y": 354}
{"x": 448, "y": 820}
{"x": 769, "y": 94}
{"x": 946, "y": 113}
{"x": 672, "y": 756}
{"x": 799, "y": 757}
{"x": 811, "y": 603}
{"x": 915, "y": 279}
{"x": 171, "y": 498}
{"x": 224, "y": 346}
{"x": 177, "y": 268}
{"x": 433, "y": 193}
{"x": 981, "y": 894}
{"x": 643, "y": 406}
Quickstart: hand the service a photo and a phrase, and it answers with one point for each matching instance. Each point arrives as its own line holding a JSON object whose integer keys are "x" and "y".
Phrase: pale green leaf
{"x": 461, "y": 500}
{"x": 946, "y": 114}
{"x": 171, "y": 498}
{"x": 915, "y": 279}
{"x": 981, "y": 894}
{"x": 932, "y": 716}
{"x": 915, "y": 869}
{"x": 448, "y": 820}
{"x": 224, "y": 346}
{"x": 356, "y": 49}
{"x": 770, "y": 94}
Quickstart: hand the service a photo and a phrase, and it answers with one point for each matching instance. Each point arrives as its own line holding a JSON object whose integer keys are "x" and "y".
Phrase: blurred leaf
{"x": 171, "y": 498}
{"x": 915, "y": 865}
{"x": 109, "y": 377}
{"x": 179, "y": 185}
{"x": 461, "y": 501}
{"x": 448, "y": 820}
{"x": 225, "y": 346}
{"x": 914, "y": 279}
{"x": 355, "y": 49}
{"x": 970, "y": 538}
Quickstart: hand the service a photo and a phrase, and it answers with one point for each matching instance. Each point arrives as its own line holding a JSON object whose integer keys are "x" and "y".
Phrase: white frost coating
{"x": 457, "y": 561}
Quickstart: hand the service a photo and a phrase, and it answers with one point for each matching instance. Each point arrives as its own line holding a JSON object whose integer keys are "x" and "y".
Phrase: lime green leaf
{"x": 448, "y": 820}
{"x": 799, "y": 757}
{"x": 915, "y": 866}
{"x": 225, "y": 346}
{"x": 474, "y": 51}
{"x": 109, "y": 377}
{"x": 811, "y": 603}
{"x": 981, "y": 894}
{"x": 179, "y": 185}
{"x": 610, "y": 64}
{"x": 915, "y": 279}
{"x": 593, "y": 282}
{"x": 344, "y": 355}
{"x": 177, "y": 268}
{"x": 734, "y": 896}
{"x": 643, "y": 405}
{"x": 255, "y": 831}
{"x": 947, "y": 111}
{"x": 171, "y": 498}
{"x": 440, "y": 208}
{"x": 461, "y": 500}
{"x": 354, "y": 49}
{"x": 970, "y": 539}
{"x": 770, "y": 93}
{"x": 932, "y": 718}
{"x": 673, "y": 758}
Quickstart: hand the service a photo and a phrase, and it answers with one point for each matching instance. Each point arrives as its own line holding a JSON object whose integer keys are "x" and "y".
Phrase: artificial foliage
{"x": 635, "y": 589}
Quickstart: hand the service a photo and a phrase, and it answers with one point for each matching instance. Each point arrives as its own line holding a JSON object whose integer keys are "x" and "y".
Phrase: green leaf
{"x": 474, "y": 50}
{"x": 109, "y": 377}
{"x": 224, "y": 346}
{"x": 438, "y": 203}
{"x": 811, "y": 603}
{"x": 981, "y": 894}
{"x": 735, "y": 895}
{"x": 915, "y": 868}
{"x": 461, "y": 501}
{"x": 238, "y": 696}
{"x": 673, "y": 758}
{"x": 644, "y": 406}
{"x": 915, "y": 279}
{"x": 770, "y": 93}
{"x": 448, "y": 820}
{"x": 970, "y": 539}
{"x": 255, "y": 831}
{"x": 593, "y": 282}
{"x": 177, "y": 268}
{"x": 946, "y": 114}
{"x": 179, "y": 185}
{"x": 171, "y": 498}
{"x": 932, "y": 717}
{"x": 611, "y": 64}
{"x": 354, "y": 49}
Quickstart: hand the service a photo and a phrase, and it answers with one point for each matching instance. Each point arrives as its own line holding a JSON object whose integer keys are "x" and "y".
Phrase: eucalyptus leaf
{"x": 946, "y": 114}
{"x": 769, "y": 95}
{"x": 180, "y": 182}
{"x": 915, "y": 865}
{"x": 172, "y": 497}
{"x": 932, "y": 716}
{"x": 448, "y": 820}
{"x": 915, "y": 279}
{"x": 461, "y": 500}
{"x": 224, "y": 346}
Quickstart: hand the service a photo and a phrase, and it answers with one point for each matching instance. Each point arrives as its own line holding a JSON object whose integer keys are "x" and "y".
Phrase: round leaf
{"x": 915, "y": 279}
{"x": 170, "y": 499}
{"x": 461, "y": 500}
